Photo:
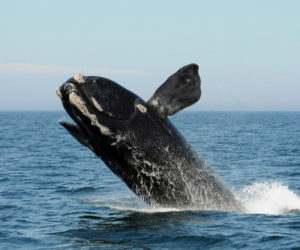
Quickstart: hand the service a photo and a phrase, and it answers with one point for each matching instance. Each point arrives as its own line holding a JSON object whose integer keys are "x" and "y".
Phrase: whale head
{"x": 102, "y": 108}
{"x": 99, "y": 107}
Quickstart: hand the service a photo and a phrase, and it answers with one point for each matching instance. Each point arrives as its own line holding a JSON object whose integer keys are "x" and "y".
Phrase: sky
{"x": 248, "y": 52}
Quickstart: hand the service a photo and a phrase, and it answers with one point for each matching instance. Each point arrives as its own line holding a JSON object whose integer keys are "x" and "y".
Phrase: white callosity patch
{"x": 58, "y": 93}
{"x": 97, "y": 105}
{"x": 79, "y": 103}
{"x": 79, "y": 78}
{"x": 142, "y": 108}
{"x": 155, "y": 102}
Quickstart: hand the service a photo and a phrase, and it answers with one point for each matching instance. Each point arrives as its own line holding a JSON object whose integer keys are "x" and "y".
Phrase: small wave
{"x": 63, "y": 189}
{"x": 272, "y": 198}
{"x": 4, "y": 179}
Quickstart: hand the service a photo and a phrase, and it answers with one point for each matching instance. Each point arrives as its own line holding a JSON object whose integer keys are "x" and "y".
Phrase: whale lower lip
{"x": 77, "y": 133}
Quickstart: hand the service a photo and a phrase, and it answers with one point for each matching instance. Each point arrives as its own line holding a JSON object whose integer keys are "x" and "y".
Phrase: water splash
{"x": 272, "y": 198}
{"x": 269, "y": 198}
{"x": 129, "y": 203}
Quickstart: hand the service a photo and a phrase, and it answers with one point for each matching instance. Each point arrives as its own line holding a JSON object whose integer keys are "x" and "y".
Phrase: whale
{"x": 138, "y": 142}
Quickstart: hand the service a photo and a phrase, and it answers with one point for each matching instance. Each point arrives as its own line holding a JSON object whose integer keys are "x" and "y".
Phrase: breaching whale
{"x": 136, "y": 140}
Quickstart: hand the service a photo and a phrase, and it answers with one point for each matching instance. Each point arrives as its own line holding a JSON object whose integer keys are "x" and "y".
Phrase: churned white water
{"x": 269, "y": 198}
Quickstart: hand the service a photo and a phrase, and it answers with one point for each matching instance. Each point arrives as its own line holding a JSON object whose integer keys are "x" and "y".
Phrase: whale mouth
{"x": 95, "y": 103}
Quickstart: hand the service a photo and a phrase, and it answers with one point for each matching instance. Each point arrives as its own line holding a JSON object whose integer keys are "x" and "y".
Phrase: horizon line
{"x": 199, "y": 110}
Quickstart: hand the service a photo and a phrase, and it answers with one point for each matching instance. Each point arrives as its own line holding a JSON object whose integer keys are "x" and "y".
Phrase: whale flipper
{"x": 180, "y": 90}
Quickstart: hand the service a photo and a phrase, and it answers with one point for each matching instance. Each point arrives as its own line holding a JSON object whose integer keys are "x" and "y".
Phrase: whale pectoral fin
{"x": 180, "y": 90}
{"x": 76, "y": 132}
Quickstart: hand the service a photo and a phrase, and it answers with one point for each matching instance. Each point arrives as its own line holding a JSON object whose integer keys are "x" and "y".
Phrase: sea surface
{"x": 56, "y": 194}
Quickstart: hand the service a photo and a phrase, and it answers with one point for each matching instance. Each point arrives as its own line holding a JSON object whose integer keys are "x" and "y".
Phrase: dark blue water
{"x": 55, "y": 194}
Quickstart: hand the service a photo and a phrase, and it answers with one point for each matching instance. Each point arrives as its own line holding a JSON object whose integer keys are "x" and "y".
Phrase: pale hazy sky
{"x": 248, "y": 52}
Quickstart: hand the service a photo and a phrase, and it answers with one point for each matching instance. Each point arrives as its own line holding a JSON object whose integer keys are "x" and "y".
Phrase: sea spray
{"x": 269, "y": 198}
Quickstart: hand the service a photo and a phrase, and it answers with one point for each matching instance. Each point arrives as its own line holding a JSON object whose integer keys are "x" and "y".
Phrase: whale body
{"x": 136, "y": 140}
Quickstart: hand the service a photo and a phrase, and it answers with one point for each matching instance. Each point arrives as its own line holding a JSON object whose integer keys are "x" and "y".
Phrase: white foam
{"x": 129, "y": 203}
{"x": 148, "y": 210}
{"x": 272, "y": 198}
{"x": 269, "y": 198}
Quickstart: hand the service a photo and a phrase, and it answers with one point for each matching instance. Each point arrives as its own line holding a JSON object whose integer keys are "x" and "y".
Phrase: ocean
{"x": 56, "y": 194}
